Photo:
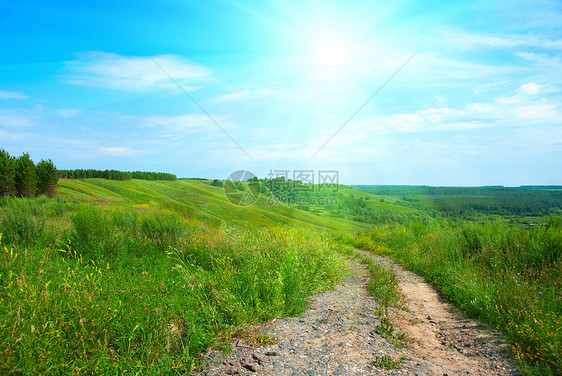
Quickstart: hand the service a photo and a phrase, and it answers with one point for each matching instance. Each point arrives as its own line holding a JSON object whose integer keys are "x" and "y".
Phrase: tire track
{"x": 337, "y": 336}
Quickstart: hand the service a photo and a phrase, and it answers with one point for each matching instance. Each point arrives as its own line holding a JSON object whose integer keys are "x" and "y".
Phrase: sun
{"x": 328, "y": 54}
{"x": 331, "y": 55}
{"x": 322, "y": 47}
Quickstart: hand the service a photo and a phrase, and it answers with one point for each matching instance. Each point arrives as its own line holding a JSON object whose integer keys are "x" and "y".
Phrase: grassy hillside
{"x": 383, "y": 203}
{"x": 143, "y": 276}
{"x": 196, "y": 200}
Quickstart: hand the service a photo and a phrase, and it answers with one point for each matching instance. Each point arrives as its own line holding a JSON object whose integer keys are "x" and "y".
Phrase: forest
{"x": 525, "y": 201}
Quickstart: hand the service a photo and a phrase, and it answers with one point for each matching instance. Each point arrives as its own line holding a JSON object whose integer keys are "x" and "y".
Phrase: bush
{"x": 256, "y": 276}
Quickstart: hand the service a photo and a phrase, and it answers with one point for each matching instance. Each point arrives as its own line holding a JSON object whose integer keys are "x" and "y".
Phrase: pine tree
{"x": 7, "y": 185}
{"x": 47, "y": 178}
{"x": 25, "y": 177}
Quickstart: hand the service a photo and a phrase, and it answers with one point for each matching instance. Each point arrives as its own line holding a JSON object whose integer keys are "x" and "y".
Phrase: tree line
{"x": 21, "y": 177}
{"x": 114, "y": 175}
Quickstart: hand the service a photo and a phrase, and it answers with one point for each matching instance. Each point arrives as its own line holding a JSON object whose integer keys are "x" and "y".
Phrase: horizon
{"x": 450, "y": 94}
{"x": 528, "y": 186}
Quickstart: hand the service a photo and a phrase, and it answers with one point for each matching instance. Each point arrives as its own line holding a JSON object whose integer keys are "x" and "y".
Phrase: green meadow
{"x": 144, "y": 276}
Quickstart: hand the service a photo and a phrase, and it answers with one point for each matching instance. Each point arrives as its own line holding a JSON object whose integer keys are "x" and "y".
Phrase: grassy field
{"x": 142, "y": 276}
{"x": 114, "y": 284}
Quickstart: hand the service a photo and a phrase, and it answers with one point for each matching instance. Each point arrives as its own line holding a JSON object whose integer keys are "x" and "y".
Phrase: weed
{"x": 387, "y": 330}
{"x": 383, "y": 284}
{"x": 387, "y": 362}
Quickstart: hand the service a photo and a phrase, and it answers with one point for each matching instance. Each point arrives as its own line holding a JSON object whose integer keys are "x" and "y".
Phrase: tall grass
{"x": 23, "y": 220}
{"x": 257, "y": 275}
{"x": 112, "y": 289}
{"x": 508, "y": 275}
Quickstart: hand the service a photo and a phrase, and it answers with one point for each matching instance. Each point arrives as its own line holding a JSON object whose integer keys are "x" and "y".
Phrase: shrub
{"x": 136, "y": 313}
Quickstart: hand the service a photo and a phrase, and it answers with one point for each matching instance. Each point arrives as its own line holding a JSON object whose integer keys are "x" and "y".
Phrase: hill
{"x": 199, "y": 200}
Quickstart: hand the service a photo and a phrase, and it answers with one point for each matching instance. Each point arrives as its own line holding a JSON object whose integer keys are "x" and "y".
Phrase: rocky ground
{"x": 338, "y": 335}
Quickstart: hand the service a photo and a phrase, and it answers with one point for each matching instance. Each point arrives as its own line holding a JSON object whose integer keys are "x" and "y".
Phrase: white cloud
{"x": 547, "y": 66}
{"x": 432, "y": 119}
{"x": 14, "y": 118}
{"x": 480, "y": 108}
{"x": 133, "y": 73}
{"x": 11, "y": 95}
{"x": 527, "y": 102}
{"x": 524, "y": 94}
{"x": 178, "y": 124}
{"x": 529, "y": 88}
{"x": 11, "y": 137}
{"x": 117, "y": 151}
{"x": 69, "y": 112}
{"x": 526, "y": 107}
{"x": 536, "y": 111}
{"x": 442, "y": 68}
{"x": 466, "y": 40}
{"x": 246, "y": 95}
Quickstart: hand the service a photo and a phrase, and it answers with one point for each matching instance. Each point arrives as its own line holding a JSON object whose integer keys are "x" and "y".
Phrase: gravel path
{"x": 337, "y": 336}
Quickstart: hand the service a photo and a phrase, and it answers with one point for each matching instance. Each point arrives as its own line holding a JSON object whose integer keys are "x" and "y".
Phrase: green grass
{"x": 143, "y": 276}
{"x": 102, "y": 286}
{"x": 508, "y": 275}
{"x": 196, "y": 200}
{"x": 387, "y": 362}
{"x": 383, "y": 285}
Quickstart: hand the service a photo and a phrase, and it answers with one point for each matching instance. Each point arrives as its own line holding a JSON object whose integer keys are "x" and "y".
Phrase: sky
{"x": 443, "y": 93}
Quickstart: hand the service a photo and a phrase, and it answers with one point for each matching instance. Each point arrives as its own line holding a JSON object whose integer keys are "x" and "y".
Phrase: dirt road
{"x": 338, "y": 335}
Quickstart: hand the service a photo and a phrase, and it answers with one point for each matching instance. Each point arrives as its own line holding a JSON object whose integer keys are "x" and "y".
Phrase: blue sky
{"x": 478, "y": 104}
